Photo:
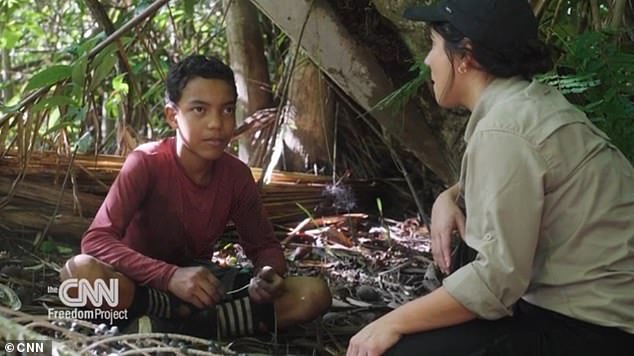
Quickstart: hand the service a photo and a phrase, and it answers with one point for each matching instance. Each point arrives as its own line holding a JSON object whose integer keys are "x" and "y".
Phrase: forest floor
{"x": 371, "y": 265}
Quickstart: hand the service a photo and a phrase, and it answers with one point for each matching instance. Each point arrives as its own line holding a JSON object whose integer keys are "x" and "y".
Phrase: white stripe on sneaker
{"x": 150, "y": 303}
{"x": 239, "y": 315}
{"x": 222, "y": 320}
{"x": 235, "y": 318}
{"x": 247, "y": 310}
{"x": 231, "y": 319}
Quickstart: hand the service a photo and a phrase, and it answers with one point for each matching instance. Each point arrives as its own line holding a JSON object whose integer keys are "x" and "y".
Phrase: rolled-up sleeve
{"x": 503, "y": 179}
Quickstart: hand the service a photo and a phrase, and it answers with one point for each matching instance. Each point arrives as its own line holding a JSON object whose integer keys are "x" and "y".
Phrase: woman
{"x": 549, "y": 204}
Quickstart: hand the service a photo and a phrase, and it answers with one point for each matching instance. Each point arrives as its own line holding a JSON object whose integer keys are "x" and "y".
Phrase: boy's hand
{"x": 197, "y": 286}
{"x": 265, "y": 286}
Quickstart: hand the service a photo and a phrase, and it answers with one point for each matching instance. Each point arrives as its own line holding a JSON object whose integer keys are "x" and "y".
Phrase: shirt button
{"x": 488, "y": 236}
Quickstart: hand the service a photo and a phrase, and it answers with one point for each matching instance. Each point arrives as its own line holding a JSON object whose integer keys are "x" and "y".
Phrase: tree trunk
{"x": 308, "y": 137}
{"x": 617, "y": 14}
{"x": 246, "y": 53}
{"x": 357, "y": 72}
{"x": 5, "y": 75}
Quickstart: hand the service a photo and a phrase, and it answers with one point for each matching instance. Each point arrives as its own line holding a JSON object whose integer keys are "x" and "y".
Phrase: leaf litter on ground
{"x": 371, "y": 264}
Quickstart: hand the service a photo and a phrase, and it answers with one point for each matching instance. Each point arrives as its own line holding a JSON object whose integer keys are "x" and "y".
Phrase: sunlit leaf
{"x": 379, "y": 205}
{"x": 119, "y": 85}
{"x": 9, "y": 38}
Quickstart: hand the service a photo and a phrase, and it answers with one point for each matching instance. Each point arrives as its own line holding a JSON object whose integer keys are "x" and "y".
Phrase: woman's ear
{"x": 467, "y": 59}
{"x": 171, "y": 111}
{"x": 466, "y": 64}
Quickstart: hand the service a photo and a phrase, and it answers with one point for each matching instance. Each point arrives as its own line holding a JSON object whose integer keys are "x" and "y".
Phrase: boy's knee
{"x": 91, "y": 269}
{"x": 318, "y": 296}
{"x": 83, "y": 266}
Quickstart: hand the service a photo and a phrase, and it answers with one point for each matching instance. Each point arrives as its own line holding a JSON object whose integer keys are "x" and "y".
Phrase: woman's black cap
{"x": 496, "y": 24}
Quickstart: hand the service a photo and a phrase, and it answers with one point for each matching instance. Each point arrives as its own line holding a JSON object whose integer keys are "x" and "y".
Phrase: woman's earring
{"x": 462, "y": 69}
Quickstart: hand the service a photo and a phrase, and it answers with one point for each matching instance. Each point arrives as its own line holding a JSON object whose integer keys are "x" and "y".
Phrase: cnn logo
{"x": 96, "y": 294}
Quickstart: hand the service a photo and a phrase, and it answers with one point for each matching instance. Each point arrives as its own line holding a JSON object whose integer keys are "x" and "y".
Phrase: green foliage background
{"x": 95, "y": 102}
{"x": 46, "y": 46}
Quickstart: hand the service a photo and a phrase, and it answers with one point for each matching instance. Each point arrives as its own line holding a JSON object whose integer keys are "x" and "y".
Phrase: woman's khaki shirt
{"x": 550, "y": 210}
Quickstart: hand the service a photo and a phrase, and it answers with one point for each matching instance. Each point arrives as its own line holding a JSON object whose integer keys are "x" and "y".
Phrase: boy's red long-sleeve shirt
{"x": 155, "y": 218}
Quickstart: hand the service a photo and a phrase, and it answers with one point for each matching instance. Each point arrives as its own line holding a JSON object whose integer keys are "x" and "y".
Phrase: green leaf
{"x": 89, "y": 44}
{"x": 58, "y": 126}
{"x": 79, "y": 72}
{"x": 105, "y": 53}
{"x": 49, "y": 76}
{"x": 65, "y": 250}
{"x": 102, "y": 71}
{"x": 53, "y": 101}
{"x": 189, "y": 7}
{"x": 48, "y": 246}
{"x": 154, "y": 89}
{"x": 74, "y": 116}
{"x": 397, "y": 99}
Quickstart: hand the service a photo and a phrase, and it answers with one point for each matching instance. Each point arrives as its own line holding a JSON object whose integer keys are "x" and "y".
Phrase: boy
{"x": 167, "y": 208}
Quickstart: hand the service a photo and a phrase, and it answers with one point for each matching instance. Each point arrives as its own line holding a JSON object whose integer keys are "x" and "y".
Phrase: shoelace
{"x": 238, "y": 290}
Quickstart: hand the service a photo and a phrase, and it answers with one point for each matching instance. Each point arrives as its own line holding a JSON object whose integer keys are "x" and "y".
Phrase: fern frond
{"x": 399, "y": 98}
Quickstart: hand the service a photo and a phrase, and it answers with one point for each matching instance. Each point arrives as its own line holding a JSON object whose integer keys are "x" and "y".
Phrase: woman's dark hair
{"x": 196, "y": 66}
{"x": 527, "y": 60}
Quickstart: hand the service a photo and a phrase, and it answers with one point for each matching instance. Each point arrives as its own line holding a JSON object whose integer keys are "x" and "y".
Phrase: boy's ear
{"x": 170, "y": 115}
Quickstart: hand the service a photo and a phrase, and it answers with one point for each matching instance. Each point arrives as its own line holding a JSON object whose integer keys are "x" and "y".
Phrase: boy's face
{"x": 204, "y": 118}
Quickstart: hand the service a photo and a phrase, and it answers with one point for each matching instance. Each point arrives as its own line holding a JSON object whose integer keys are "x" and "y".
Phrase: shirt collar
{"x": 497, "y": 89}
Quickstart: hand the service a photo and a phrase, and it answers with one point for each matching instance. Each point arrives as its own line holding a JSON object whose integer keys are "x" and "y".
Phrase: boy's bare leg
{"x": 91, "y": 269}
{"x": 302, "y": 298}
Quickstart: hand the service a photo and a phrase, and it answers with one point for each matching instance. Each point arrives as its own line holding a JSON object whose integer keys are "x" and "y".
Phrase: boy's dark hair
{"x": 527, "y": 59}
{"x": 207, "y": 67}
